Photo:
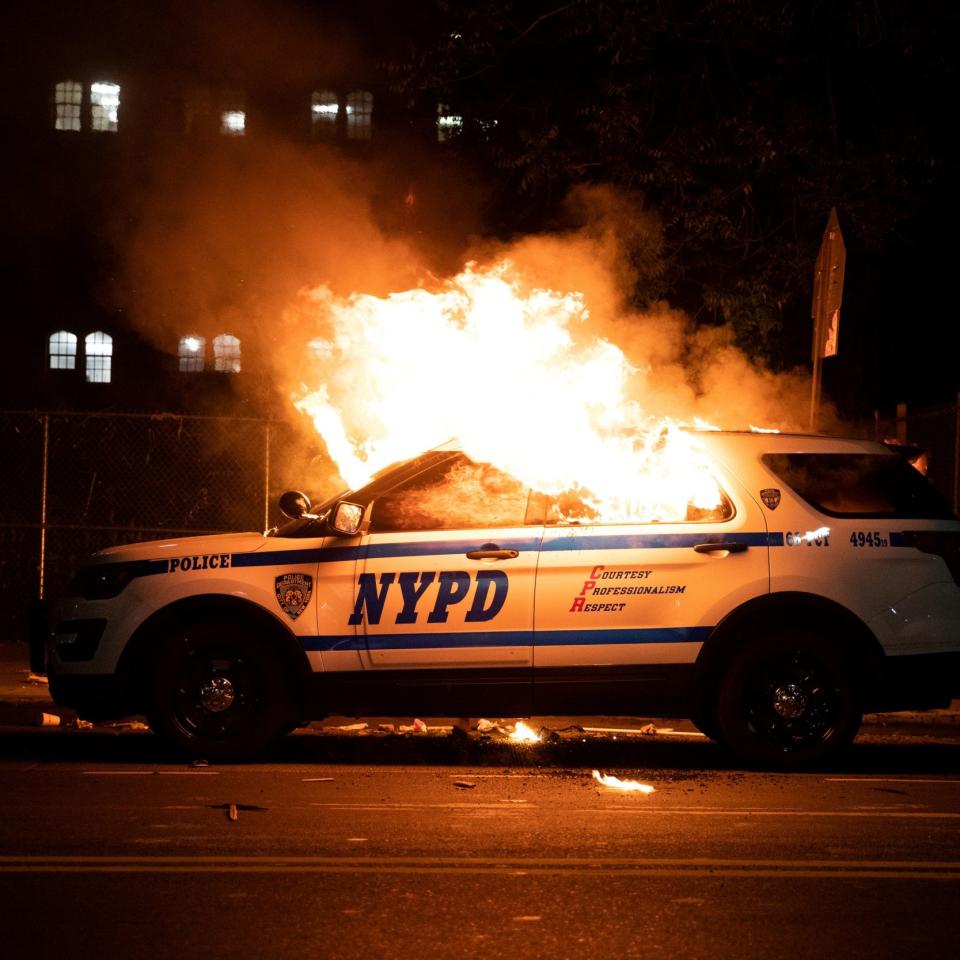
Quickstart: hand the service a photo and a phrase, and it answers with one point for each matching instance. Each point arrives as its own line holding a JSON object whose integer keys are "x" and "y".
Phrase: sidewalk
{"x": 25, "y": 702}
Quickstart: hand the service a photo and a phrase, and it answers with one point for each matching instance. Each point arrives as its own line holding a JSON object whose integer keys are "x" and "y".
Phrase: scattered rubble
{"x": 418, "y": 726}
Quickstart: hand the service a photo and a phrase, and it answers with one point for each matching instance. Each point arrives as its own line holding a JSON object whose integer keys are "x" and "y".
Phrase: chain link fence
{"x": 73, "y": 483}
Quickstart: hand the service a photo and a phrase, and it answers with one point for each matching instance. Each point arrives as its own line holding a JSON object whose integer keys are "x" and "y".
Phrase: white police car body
{"x": 823, "y": 585}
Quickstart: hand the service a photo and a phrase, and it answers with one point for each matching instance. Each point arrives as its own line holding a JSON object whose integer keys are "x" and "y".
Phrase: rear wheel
{"x": 788, "y": 699}
{"x": 219, "y": 691}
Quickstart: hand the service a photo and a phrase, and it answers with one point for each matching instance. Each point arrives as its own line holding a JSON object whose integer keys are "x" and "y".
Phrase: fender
{"x": 133, "y": 666}
{"x": 772, "y": 612}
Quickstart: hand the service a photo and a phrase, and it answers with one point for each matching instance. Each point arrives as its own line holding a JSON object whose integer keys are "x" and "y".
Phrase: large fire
{"x": 513, "y": 373}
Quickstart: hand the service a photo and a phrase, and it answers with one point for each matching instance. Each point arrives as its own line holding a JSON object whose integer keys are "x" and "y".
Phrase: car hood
{"x": 183, "y": 547}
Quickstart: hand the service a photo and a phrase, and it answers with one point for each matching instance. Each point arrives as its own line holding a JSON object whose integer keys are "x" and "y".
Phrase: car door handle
{"x": 492, "y": 553}
{"x": 717, "y": 547}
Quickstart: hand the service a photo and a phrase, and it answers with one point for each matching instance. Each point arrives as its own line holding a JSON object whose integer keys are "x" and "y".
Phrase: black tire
{"x": 788, "y": 700}
{"x": 219, "y": 692}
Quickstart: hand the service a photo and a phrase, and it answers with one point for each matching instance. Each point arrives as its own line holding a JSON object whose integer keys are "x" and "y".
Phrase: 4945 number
{"x": 868, "y": 538}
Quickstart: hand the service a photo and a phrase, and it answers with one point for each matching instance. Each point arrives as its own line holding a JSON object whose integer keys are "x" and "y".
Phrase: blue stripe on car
{"x": 506, "y": 638}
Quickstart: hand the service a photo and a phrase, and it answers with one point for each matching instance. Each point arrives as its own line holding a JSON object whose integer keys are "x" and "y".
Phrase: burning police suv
{"x": 820, "y": 580}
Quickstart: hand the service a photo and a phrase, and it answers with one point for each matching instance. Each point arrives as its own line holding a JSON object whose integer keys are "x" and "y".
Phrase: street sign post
{"x": 827, "y": 296}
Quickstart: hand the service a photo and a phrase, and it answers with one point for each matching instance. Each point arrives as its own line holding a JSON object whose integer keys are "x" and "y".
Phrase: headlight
{"x": 103, "y": 581}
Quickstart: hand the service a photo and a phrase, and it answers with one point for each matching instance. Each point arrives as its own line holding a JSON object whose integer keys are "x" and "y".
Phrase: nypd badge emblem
{"x": 770, "y": 498}
{"x": 293, "y": 593}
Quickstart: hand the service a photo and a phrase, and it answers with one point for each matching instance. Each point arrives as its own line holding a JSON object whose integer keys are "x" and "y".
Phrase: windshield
{"x": 383, "y": 480}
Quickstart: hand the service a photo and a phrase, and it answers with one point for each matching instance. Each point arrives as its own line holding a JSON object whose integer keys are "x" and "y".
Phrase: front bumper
{"x": 94, "y": 696}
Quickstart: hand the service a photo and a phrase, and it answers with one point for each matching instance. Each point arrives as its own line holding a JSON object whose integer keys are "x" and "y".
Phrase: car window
{"x": 577, "y": 507}
{"x": 859, "y": 485}
{"x": 455, "y": 494}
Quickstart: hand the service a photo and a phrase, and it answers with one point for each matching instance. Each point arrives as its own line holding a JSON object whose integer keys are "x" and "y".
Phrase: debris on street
{"x": 464, "y": 784}
{"x": 418, "y": 726}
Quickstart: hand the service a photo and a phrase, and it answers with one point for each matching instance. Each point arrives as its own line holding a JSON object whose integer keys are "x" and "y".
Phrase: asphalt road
{"x": 345, "y": 846}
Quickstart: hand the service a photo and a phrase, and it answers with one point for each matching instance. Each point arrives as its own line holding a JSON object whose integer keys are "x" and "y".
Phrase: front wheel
{"x": 788, "y": 700}
{"x": 219, "y": 691}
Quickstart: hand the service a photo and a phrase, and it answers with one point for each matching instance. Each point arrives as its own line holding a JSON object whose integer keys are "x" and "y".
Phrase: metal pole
{"x": 815, "y": 390}
{"x": 956, "y": 456}
{"x": 43, "y": 503}
{"x": 266, "y": 476}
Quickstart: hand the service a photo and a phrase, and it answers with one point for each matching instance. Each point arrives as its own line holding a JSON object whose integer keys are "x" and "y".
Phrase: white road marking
{"x": 391, "y": 807}
{"x": 638, "y": 867}
{"x": 955, "y": 780}
{"x": 151, "y": 773}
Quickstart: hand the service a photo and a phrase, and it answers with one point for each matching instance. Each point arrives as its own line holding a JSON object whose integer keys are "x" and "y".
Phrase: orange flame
{"x": 510, "y": 372}
{"x": 628, "y": 786}
{"x": 523, "y": 734}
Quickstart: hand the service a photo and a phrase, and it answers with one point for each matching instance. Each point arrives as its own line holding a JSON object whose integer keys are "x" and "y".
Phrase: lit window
{"x": 63, "y": 350}
{"x": 104, "y": 106}
{"x": 191, "y": 353}
{"x": 449, "y": 124}
{"x": 233, "y": 114}
{"x": 324, "y": 109}
{"x": 99, "y": 354}
{"x": 68, "y": 98}
{"x": 226, "y": 353}
{"x": 359, "y": 114}
{"x": 233, "y": 123}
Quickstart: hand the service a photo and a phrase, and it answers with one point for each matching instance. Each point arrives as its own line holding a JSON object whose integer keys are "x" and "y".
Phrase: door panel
{"x": 638, "y": 596}
{"x": 423, "y": 603}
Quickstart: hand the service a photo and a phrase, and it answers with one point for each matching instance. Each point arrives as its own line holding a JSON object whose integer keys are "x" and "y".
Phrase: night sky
{"x": 733, "y": 126}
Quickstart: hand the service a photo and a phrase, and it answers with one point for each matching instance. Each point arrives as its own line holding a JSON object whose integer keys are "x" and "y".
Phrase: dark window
{"x": 359, "y": 114}
{"x": 859, "y": 485}
{"x": 452, "y": 495}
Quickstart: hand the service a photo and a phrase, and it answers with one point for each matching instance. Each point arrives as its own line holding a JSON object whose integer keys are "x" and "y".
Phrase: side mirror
{"x": 345, "y": 518}
{"x": 294, "y": 504}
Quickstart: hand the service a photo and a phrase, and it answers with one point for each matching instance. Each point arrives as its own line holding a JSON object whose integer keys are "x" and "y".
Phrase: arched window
{"x": 98, "y": 348}
{"x": 359, "y": 114}
{"x": 226, "y": 353}
{"x": 63, "y": 350}
{"x": 324, "y": 109}
{"x": 191, "y": 353}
